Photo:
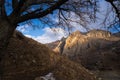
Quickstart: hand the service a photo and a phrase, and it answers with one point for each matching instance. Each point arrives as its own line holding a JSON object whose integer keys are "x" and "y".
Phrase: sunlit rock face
{"x": 59, "y": 48}
{"x": 99, "y": 34}
{"x": 73, "y": 42}
{"x": 91, "y": 49}
{"x": 78, "y": 43}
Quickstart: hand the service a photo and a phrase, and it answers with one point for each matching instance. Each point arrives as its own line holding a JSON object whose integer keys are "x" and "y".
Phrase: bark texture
{"x": 6, "y": 31}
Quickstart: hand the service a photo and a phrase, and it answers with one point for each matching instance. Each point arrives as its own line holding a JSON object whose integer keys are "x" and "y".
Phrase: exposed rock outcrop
{"x": 99, "y": 34}
{"x": 26, "y": 59}
{"x": 60, "y": 46}
{"x": 78, "y": 43}
{"x": 94, "y": 49}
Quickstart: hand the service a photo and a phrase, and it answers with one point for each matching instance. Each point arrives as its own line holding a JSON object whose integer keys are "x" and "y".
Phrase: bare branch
{"x": 116, "y": 9}
{"x": 36, "y": 2}
{"x": 41, "y": 14}
{"x": 16, "y": 11}
{"x": 2, "y": 8}
{"x": 14, "y": 4}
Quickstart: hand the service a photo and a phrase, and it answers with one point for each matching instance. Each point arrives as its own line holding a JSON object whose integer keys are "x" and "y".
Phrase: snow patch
{"x": 49, "y": 76}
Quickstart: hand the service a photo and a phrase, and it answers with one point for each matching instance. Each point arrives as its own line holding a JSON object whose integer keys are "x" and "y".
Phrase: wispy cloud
{"x": 23, "y": 28}
{"x": 49, "y": 35}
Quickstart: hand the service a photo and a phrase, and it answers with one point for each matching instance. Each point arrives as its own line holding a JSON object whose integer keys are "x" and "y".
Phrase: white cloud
{"x": 29, "y": 36}
{"x": 23, "y": 28}
{"x": 49, "y": 35}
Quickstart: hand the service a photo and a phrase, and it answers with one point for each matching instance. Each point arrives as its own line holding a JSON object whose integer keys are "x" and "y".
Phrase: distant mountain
{"x": 97, "y": 49}
{"x": 53, "y": 45}
{"x": 26, "y": 59}
{"x": 59, "y": 48}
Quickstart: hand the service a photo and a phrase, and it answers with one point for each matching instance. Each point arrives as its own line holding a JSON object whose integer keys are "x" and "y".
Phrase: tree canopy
{"x": 53, "y": 13}
{"x": 17, "y": 11}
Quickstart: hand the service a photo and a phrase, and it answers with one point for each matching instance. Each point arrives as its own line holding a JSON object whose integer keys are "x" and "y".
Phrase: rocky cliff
{"x": 60, "y": 47}
{"x": 94, "y": 50}
{"x": 26, "y": 59}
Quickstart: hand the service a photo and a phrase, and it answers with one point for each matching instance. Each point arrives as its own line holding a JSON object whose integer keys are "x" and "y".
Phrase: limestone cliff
{"x": 92, "y": 48}
{"x": 99, "y": 34}
{"x": 60, "y": 47}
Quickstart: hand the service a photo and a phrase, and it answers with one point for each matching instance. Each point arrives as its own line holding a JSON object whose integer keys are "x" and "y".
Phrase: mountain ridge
{"x": 94, "y": 49}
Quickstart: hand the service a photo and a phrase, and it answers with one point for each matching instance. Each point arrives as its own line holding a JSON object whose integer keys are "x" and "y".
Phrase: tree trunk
{"x": 6, "y": 31}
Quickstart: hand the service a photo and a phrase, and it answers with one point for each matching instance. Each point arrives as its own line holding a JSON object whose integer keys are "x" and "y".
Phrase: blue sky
{"x": 46, "y": 35}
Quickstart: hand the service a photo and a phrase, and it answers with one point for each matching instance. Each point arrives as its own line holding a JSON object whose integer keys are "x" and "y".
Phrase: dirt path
{"x": 107, "y": 75}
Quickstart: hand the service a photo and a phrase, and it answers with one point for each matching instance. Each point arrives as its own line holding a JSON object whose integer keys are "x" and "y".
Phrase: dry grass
{"x": 26, "y": 59}
{"x": 68, "y": 70}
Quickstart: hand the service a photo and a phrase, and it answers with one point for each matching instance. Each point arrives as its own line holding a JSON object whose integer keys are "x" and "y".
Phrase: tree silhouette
{"x": 14, "y": 12}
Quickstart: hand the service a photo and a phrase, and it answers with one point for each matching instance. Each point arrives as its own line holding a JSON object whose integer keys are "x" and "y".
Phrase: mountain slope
{"x": 94, "y": 50}
{"x": 26, "y": 59}
{"x": 52, "y": 45}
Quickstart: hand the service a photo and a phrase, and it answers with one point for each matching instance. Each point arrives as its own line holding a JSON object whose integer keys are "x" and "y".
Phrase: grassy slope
{"x": 26, "y": 59}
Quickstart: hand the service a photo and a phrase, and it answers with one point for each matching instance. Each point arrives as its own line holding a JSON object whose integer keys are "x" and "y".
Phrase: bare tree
{"x": 116, "y": 5}
{"x": 26, "y": 10}
{"x": 15, "y": 12}
{"x": 115, "y": 9}
{"x": 22, "y": 11}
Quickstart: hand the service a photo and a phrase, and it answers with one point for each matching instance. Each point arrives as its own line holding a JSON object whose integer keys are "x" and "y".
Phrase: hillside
{"x": 53, "y": 45}
{"x": 26, "y": 59}
{"x": 97, "y": 49}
